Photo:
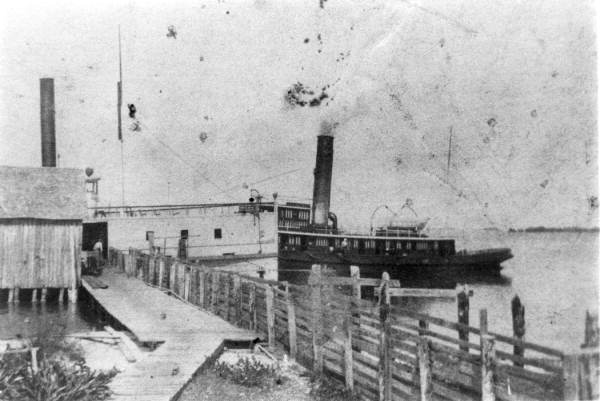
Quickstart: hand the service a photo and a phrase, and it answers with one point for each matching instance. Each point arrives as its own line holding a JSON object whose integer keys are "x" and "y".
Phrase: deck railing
{"x": 379, "y": 350}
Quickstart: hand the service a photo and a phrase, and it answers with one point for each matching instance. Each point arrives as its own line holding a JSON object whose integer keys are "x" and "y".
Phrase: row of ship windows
{"x": 294, "y": 214}
{"x": 369, "y": 244}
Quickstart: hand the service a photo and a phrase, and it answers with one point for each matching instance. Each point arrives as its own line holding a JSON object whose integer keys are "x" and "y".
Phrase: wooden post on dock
{"x": 61, "y": 295}
{"x": 161, "y": 271}
{"x": 34, "y": 296}
{"x": 314, "y": 281}
{"x": 72, "y": 293}
{"x": 150, "y": 238}
{"x": 44, "y": 295}
{"x": 483, "y": 322}
{"x": 355, "y": 275}
{"x": 226, "y": 295}
{"x": 291, "y": 318}
{"x": 425, "y": 383}
{"x": 488, "y": 360}
{"x": 384, "y": 371}
{"x": 11, "y": 295}
{"x": 518, "y": 320}
{"x": 214, "y": 293}
{"x": 17, "y": 299}
{"x": 237, "y": 299}
{"x": 252, "y": 305}
{"x": 462, "y": 301}
{"x": 201, "y": 288}
{"x": 269, "y": 299}
{"x": 186, "y": 283}
{"x": 348, "y": 362}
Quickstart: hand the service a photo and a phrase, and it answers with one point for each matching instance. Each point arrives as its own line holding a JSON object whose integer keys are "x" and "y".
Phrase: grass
{"x": 247, "y": 372}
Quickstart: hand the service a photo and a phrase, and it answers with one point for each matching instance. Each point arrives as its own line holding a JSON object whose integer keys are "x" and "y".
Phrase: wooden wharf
{"x": 189, "y": 337}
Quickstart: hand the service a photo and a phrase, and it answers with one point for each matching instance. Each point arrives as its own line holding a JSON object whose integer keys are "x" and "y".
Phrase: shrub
{"x": 247, "y": 372}
{"x": 323, "y": 388}
{"x": 54, "y": 381}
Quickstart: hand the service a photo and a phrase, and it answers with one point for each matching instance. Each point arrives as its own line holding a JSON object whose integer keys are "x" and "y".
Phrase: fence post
{"x": 291, "y": 318}
{"x": 269, "y": 297}
{"x": 483, "y": 322}
{"x": 384, "y": 372}
{"x": 214, "y": 281}
{"x": 150, "y": 238}
{"x": 425, "y": 382}
{"x": 227, "y": 294}
{"x": 462, "y": 301}
{"x": 571, "y": 390}
{"x": 314, "y": 281}
{"x": 348, "y": 362}
{"x": 187, "y": 283}
{"x": 355, "y": 275}
{"x": 252, "y": 305}
{"x": 201, "y": 284}
{"x": 518, "y": 320}
{"x": 237, "y": 298}
{"x": 488, "y": 356}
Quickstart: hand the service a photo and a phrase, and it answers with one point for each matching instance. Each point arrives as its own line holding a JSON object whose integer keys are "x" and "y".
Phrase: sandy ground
{"x": 210, "y": 387}
{"x": 100, "y": 356}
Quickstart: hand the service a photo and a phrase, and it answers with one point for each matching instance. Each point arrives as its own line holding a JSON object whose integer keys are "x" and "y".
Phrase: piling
{"x": 488, "y": 356}
{"x": 314, "y": 281}
{"x": 16, "y": 299}
{"x": 34, "y": 296}
{"x": 44, "y": 295}
{"x": 518, "y": 320}
{"x": 425, "y": 383}
{"x": 462, "y": 300}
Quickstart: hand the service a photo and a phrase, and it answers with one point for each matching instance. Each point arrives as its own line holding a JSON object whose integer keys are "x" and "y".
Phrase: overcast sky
{"x": 513, "y": 83}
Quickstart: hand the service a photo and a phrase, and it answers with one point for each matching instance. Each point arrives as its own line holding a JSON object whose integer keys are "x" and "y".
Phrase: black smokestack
{"x": 323, "y": 169}
{"x": 47, "y": 120}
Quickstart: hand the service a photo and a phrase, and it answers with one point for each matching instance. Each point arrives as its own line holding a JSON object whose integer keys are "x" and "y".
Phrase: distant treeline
{"x": 542, "y": 229}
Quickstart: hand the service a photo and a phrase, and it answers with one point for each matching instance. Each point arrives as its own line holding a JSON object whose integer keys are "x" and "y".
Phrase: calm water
{"x": 554, "y": 274}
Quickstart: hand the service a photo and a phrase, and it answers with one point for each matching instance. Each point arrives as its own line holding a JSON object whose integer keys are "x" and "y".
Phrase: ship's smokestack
{"x": 47, "y": 121}
{"x": 323, "y": 169}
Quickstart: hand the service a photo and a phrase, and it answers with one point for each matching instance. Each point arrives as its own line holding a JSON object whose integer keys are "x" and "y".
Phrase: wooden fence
{"x": 380, "y": 351}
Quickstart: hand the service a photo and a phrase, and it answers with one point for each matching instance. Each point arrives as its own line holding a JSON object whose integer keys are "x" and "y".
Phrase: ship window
{"x": 218, "y": 233}
{"x": 184, "y": 234}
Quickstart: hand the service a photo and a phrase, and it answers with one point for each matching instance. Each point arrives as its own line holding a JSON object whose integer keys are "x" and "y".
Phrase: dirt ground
{"x": 294, "y": 386}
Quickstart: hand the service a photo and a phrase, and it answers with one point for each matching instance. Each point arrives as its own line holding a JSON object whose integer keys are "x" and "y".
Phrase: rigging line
{"x": 202, "y": 175}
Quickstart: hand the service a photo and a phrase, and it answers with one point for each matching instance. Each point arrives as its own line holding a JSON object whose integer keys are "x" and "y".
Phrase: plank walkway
{"x": 189, "y": 336}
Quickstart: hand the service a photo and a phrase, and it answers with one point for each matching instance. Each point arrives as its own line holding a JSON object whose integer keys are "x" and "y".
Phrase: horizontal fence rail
{"x": 378, "y": 350}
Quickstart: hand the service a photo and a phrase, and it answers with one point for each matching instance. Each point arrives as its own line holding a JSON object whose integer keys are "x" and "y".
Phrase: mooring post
{"x": 34, "y": 296}
{"x": 314, "y": 281}
{"x": 462, "y": 301}
{"x": 17, "y": 299}
{"x": 518, "y": 320}
{"x": 161, "y": 271}
{"x": 34, "y": 360}
{"x": 72, "y": 293}
{"x": 425, "y": 383}
{"x": 44, "y": 295}
{"x": 291, "y": 318}
{"x": 269, "y": 298}
{"x": 488, "y": 356}
{"x": 61, "y": 295}
{"x": 384, "y": 372}
{"x": 201, "y": 284}
{"x": 150, "y": 238}
{"x": 11, "y": 295}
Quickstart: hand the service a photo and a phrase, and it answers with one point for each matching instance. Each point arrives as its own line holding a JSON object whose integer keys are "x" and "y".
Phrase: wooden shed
{"x": 41, "y": 213}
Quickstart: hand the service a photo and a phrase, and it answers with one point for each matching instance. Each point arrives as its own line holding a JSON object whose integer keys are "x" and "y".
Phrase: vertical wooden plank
{"x": 384, "y": 376}
{"x": 462, "y": 301}
{"x": 314, "y": 281}
{"x": 269, "y": 294}
{"x": 17, "y": 298}
{"x": 227, "y": 295}
{"x": 252, "y": 306}
{"x": 483, "y": 322}
{"x": 291, "y": 318}
{"x": 161, "y": 271}
{"x": 72, "y": 293}
{"x": 150, "y": 235}
{"x": 424, "y": 359}
{"x": 237, "y": 299}
{"x": 518, "y": 320}
{"x": 201, "y": 284}
{"x": 172, "y": 276}
{"x": 214, "y": 279}
{"x": 488, "y": 356}
{"x": 34, "y": 296}
{"x": 44, "y": 295}
{"x": 61, "y": 295}
{"x": 11, "y": 295}
{"x": 348, "y": 362}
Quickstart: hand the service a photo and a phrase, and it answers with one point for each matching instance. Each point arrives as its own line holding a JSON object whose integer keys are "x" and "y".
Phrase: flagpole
{"x": 119, "y": 106}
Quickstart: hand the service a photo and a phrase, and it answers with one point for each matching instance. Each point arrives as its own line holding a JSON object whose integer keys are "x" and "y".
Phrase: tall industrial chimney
{"x": 47, "y": 121}
{"x": 322, "y": 183}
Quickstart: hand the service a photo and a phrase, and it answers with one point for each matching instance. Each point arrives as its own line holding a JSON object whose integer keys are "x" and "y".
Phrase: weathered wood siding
{"x": 40, "y": 253}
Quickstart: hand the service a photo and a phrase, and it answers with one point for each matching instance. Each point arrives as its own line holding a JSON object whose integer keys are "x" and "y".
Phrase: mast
{"x": 119, "y": 130}
{"x": 449, "y": 156}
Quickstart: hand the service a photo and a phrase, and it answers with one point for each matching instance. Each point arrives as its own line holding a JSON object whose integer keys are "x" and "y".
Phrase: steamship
{"x": 309, "y": 234}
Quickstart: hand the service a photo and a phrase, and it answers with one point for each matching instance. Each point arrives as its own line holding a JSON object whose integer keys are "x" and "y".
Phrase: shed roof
{"x": 42, "y": 193}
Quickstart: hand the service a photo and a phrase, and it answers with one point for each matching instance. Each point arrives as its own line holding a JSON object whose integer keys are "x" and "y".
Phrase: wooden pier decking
{"x": 188, "y": 335}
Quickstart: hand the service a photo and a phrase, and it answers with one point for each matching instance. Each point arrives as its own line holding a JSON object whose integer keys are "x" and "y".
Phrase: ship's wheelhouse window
{"x": 218, "y": 233}
{"x": 422, "y": 246}
{"x": 409, "y": 246}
